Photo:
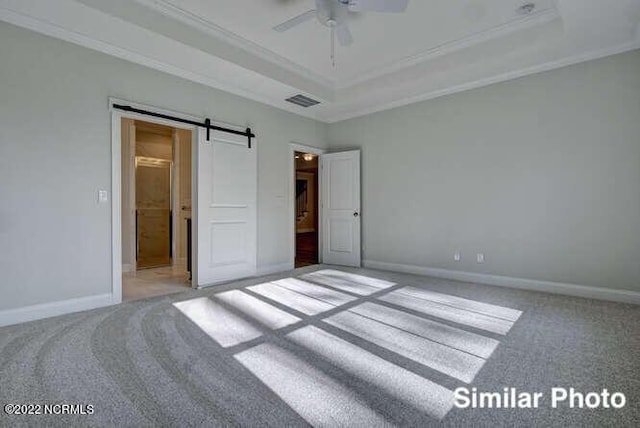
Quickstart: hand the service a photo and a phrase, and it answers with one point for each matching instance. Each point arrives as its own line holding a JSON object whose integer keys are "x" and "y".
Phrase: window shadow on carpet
{"x": 341, "y": 348}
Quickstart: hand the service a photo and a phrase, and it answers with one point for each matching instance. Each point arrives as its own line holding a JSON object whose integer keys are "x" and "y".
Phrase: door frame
{"x": 175, "y": 192}
{"x": 131, "y": 165}
{"x": 293, "y": 148}
{"x": 116, "y": 183}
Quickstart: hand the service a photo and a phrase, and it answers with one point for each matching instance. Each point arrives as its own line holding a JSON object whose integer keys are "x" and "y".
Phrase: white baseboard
{"x": 46, "y": 310}
{"x": 615, "y": 295}
{"x": 274, "y": 268}
{"x": 127, "y": 268}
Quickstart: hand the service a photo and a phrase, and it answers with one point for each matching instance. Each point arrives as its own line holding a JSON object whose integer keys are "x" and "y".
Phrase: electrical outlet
{"x": 480, "y": 257}
{"x": 457, "y": 256}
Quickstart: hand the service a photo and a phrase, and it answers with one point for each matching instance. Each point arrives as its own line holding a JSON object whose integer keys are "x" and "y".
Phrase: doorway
{"x": 156, "y": 208}
{"x": 306, "y": 196}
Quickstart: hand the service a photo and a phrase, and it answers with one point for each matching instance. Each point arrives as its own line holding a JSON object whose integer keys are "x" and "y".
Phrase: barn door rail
{"x": 206, "y": 124}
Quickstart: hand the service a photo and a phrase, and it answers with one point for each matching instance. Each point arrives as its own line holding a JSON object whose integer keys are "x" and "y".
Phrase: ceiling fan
{"x": 334, "y": 14}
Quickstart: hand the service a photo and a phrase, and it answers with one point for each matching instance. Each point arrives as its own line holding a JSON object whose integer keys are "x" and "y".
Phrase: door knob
{"x": 355, "y": 214}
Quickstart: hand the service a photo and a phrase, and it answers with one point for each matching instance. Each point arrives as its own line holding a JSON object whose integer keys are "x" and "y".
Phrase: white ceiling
{"x": 381, "y": 39}
{"x": 435, "y": 48}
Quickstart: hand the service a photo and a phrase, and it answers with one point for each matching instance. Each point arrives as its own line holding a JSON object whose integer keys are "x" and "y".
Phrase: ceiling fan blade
{"x": 344, "y": 35}
{"x": 286, "y": 25}
{"x": 394, "y": 6}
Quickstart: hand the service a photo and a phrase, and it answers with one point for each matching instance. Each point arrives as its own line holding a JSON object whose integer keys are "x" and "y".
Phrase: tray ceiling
{"x": 434, "y": 48}
{"x": 381, "y": 39}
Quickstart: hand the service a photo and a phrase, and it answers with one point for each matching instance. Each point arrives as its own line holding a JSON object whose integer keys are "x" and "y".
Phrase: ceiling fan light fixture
{"x": 334, "y": 14}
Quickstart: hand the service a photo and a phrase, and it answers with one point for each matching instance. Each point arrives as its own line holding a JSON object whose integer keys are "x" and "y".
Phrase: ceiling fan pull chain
{"x": 333, "y": 46}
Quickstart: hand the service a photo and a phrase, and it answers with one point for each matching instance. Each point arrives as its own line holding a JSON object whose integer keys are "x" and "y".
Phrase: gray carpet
{"x": 324, "y": 347}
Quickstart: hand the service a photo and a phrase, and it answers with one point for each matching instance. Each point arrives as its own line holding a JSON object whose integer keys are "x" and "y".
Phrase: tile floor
{"x": 154, "y": 282}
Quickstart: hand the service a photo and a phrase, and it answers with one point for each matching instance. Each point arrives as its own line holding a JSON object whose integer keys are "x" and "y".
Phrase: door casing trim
{"x": 293, "y": 148}
{"x": 116, "y": 184}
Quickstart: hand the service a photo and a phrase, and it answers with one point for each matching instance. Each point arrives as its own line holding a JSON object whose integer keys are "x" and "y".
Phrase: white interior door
{"x": 341, "y": 208}
{"x": 226, "y": 208}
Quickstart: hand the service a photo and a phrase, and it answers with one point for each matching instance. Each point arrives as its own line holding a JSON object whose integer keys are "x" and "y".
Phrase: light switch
{"x": 103, "y": 196}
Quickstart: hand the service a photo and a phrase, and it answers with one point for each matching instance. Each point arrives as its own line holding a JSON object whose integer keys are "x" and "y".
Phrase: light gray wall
{"x": 542, "y": 174}
{"x": 55, "y": 153}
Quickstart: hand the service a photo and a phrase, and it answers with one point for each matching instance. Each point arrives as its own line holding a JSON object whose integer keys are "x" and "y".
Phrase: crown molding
{"x": 48, "y": 26}
{"x": 515, "y": 74}
{"x": 519, "y": 24}
{"x": 57, "y": 21}
{"x": 170, "y": 10}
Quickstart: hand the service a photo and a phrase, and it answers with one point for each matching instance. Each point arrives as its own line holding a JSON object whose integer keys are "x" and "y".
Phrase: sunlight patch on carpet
{"x": 452, "y": 362}
{"x": 264, "y": 313}
{"x": 315, "y": 396}
{"x": 375, "y": 340}
{"x": 299, "y": 302}
{"x": 462, "y": 340}
{"x": 461, "y": 303}
{"x": 406, "y": 386}
{"x": 449, "y": 313}
{"x": 220, "y": 324}
{"x": 319, "y": 292}
{"x": 356, "y": 284}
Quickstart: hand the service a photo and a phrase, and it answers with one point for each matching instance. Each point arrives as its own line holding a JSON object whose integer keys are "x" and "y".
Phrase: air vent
{"x": 302, "y": 101}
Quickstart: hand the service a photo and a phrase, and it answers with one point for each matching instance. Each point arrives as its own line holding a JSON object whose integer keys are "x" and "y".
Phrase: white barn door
{"x": 226, "y": 208}
{"x": 341, "y": 208}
